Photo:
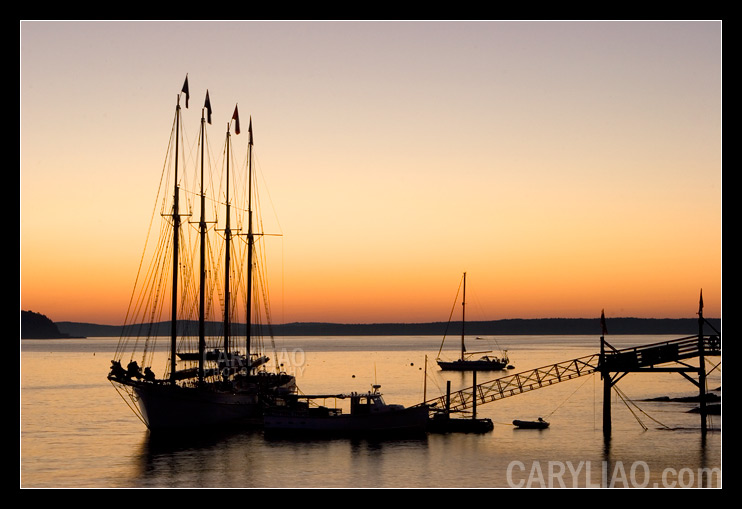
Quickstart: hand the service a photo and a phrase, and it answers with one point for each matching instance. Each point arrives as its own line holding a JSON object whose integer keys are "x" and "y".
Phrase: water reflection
{"x": 249, "y": 459}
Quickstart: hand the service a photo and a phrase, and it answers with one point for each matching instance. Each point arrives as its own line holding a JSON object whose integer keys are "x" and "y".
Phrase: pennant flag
{"x": 700, "y": 304}
{"x": 602, "y": 322}
{"x": 236, "y": 118}
{"x": 185, "y": 90}
{"x": 207, "y": 105}
{"x": 249, "y": 131}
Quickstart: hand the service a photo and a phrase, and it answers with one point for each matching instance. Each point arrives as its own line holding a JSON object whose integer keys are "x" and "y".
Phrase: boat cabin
{"x": 369, "y": 403}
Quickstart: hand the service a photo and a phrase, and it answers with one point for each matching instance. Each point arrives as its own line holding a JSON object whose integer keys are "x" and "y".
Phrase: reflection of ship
{"x": 369, "y": 415}
{"x": 206, "y": 380}
{"x": 465, "y": 362}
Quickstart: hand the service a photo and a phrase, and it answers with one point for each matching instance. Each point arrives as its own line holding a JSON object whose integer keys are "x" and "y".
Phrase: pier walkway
{"x": 646, "y": 358}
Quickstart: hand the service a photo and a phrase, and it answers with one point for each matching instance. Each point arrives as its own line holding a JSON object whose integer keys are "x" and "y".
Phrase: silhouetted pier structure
{"x": 613, "y": 364}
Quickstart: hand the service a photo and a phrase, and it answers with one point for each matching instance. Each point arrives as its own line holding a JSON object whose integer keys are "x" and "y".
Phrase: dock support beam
{"x": 607, "y": 385}
{"x": 448, "y": 398}
{"x": 474, "y": 394}
{"x": 701, "y": 369}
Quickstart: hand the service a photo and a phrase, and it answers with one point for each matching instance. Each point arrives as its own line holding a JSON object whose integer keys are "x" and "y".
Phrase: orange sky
{"x": 566, "y": 167}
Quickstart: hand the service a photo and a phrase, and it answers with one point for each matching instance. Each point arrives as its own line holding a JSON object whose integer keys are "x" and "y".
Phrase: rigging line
{"x": 630, "y": 410}
{"x": 714, "y": 368}
{"x": 570, "y": 396}
{"x": 131, "y": 407}
{"x": 453, "y": 308}
{"x": 266, "y": 190}
{"x": 641, "y": 410}
{"x": 709, "y": 416}
{"x": 147, "y": 292}
{"x": 712, "y": 326}
{"x": 263, "y": 286}
{"x": 212, "y": 288}
{"x": 433, "y": 379}
{"x": 149, "y": 231}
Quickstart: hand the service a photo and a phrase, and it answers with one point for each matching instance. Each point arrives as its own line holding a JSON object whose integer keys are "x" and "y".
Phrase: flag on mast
{"x": 185, "y": 90}
{"x": 236, "y": 118}
{"x": 249, "y": 131}
{"x": 700, "y": 303}
{"x": 207, "y": 105}
{"x": 602, "y": 322}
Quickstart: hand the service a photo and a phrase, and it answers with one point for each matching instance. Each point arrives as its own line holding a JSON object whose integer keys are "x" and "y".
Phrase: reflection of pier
{"x": 612, "y": 364}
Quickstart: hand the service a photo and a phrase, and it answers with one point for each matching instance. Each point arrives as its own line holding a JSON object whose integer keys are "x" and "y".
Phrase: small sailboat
{"x": 465, "y": 361}
{"x": 211, "y": 374}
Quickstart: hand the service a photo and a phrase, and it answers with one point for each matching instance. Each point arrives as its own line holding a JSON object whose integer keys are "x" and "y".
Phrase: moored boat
{"x": 370, "y": 415}
{"x": 537, "y": 424}
{"x": 465, "y": 362}
{"x": 207, "y": 379}
{"x": 442, "y": 422}
{"x": 484, "y": 363}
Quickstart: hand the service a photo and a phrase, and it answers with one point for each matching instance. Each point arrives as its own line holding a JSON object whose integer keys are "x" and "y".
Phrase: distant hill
{"x": 542, "y": 326}
{"x": 38, "y": 326}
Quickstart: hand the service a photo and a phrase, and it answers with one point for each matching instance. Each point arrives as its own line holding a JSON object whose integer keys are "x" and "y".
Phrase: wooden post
{"x": 606, "y": 389}
{"x": 474, "y": 394}
{"x": 448, "y": 397}
{"x": 701, "y": 368}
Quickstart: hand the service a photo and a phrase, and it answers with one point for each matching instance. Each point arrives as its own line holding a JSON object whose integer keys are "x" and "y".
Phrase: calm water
{"x": 76, "y": 432}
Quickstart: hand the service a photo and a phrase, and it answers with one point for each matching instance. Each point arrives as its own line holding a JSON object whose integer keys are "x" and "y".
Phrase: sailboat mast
{"x": 202, "y": 255}
{"x": 227, "y": 248}
{"x": 176, "y": 231}
{"x": 250, "y": 242}
{"x": 463, "y": 318}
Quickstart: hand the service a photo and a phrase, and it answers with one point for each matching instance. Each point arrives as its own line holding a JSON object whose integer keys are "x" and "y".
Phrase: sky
{"x": 566, "y": 167}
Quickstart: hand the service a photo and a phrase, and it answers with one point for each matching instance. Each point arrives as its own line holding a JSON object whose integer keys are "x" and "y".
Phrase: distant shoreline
{"x": 540, "y": 326}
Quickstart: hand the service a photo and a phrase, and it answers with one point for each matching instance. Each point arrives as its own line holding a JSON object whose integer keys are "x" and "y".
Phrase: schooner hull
{"x": 166, "y": 407}
{"x": 163, "y": 406}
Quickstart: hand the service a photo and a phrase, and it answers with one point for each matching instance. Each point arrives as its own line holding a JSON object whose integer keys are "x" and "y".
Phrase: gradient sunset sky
{"x": 567, "y": 167}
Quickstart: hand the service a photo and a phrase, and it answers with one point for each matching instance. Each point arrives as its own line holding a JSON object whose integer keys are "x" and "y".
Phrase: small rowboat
{"x": 538, "y": 424}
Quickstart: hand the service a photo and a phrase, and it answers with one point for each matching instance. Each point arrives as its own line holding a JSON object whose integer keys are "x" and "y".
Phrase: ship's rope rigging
{"x": 450, "y": 317}
{"x": 129, "y": 318}
{"x": 480, "y": 308}
{"x": 630, "y": 403}
{"x": 149, "y": 300}
{"x": 570, "y": 396}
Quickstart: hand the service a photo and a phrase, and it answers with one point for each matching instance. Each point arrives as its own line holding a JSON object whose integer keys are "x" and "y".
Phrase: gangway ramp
{"x": 518, "y": 383}
{"x": 641, "y": 358}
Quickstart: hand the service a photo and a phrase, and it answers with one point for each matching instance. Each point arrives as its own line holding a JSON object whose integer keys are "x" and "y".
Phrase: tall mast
{"x": 250, "y": 241}
{"x": 228, "y": 238}
{"x": 463, "y": 318}
{"x": 202, "y": 233}
{"x": 176, "y": 230}
{"x": 227, "y": 247}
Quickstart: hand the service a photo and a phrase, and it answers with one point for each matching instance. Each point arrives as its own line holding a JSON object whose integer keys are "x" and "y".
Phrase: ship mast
{"x": 228, "y": 237}
{"x": 202, "y": 254}
{"x": 250, "y": 243}
{"x": 176, "y": 231}
{"x": 227, "y": 248}
{"x": 463, "y": 318}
